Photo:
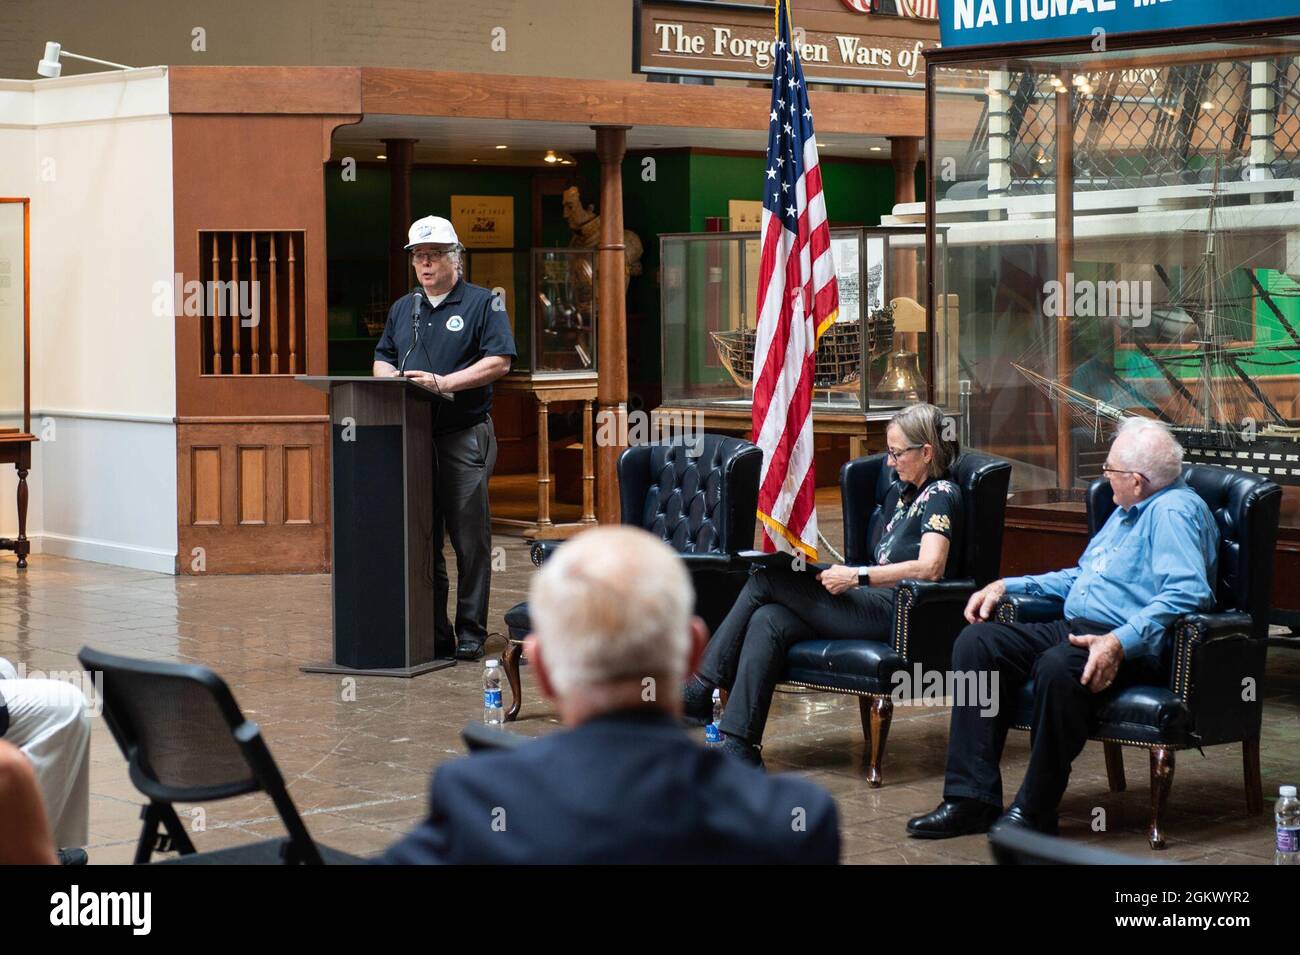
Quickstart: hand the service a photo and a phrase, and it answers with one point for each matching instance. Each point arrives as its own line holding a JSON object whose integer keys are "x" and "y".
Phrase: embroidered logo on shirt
{"x": 455, "y": 323}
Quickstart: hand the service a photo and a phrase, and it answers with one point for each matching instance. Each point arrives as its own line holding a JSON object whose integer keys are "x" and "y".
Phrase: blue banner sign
{"x": 980, "y": 22}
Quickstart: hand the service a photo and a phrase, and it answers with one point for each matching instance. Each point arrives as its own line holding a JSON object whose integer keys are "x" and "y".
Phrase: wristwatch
{"x": 864, "y": 576}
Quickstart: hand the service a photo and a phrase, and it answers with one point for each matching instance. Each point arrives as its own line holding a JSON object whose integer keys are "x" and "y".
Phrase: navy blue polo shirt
{"x": 463, "y": 329}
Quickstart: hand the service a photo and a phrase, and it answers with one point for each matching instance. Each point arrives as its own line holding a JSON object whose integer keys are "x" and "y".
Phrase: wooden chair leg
{"x": 1162, "y": 779}
{"x": 1254, "y": 784}
{"x": 1115, "y": 766}
{"x": 510, "y": 663}
{"x": 876, "y": 713}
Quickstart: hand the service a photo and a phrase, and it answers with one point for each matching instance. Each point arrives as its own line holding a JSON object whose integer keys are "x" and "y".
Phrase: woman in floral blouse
{"x": 779, "y": 608}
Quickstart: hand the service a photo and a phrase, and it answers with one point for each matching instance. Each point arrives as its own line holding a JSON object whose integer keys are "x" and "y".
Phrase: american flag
{"x": 798, "y": 299}
{"x": 923, "y": 9}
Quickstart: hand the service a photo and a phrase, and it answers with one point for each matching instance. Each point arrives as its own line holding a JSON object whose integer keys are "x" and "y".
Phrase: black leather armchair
{"x": 927, "y": 614}
{"x": 1213, "y": 659}
{"x": 704, "y": 506}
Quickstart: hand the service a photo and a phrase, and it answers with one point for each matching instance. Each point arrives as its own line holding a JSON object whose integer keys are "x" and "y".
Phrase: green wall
{"x": 857, "y": 193}
{"x": 686, "y": 188}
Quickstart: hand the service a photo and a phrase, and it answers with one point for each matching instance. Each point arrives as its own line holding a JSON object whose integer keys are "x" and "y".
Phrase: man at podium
{"x": 453, "y": 338}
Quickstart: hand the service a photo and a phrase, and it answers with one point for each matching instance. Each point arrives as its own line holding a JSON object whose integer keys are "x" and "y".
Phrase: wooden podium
{"x": 383, "y": 511}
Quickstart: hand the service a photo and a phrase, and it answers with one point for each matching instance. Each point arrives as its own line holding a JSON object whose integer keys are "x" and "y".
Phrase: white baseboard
{"x": 105, "y": 552}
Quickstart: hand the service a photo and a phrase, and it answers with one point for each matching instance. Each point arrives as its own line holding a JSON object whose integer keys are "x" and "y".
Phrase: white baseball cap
{"x": 431, "y": 230}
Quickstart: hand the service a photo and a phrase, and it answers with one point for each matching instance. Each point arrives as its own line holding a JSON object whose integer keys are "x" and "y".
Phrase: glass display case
{"x": 1123, "y": 232}
{"x": 878, "y": 354}
{"x": 562, "y": 339}
{"x": 15, "y": 330}
{"x": 551, "y": 297}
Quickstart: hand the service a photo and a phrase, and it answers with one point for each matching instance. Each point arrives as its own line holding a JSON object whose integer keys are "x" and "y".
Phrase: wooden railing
{"x": 254, "y": 307}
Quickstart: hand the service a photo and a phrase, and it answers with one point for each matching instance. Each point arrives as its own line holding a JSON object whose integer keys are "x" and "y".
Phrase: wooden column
{"x": 1064, "y": 265}
{"x": 543, "y": 463}
{"x": 611, "y": 389}
{"x": 904, "y": 152}
{"x": 400, "y": 153}
{"x": 588, "y": 467}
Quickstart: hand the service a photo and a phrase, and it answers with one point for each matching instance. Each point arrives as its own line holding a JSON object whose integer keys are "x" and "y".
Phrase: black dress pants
{"x": 775, "y": 610}
{"x": 463, "y": 462}
{"x": 1063, "y": 712}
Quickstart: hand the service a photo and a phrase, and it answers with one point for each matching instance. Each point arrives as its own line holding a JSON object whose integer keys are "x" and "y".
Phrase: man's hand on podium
{"x": 435, "y": 383}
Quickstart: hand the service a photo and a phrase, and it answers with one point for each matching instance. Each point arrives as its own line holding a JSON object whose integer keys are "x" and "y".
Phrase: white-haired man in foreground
{"x": 614, "y": 638}
{"x": 1152, "y": 561}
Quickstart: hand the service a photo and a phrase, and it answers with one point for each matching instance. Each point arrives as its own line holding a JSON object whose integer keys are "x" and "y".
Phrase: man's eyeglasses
{"x": 1107, "y": 470}
{"x": 894, "y": 455}
{"x": 431, "y": 256}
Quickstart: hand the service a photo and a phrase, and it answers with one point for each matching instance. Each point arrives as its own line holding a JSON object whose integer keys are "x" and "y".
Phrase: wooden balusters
{"x": 255, "y": 297}
{"x": 224, "y": 273}
{"x": 216, "y": 308}
{"x": 236, "y": 311}
{"x": 275, "y": 316}
{"x": 293, "y": 311}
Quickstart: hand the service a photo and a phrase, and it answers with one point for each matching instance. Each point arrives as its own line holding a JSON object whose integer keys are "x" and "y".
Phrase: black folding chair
{"x": 1016, "y": 845}
{"x": 185, "y": 740}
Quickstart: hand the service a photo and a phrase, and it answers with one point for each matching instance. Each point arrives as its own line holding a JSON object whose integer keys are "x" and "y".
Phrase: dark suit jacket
{"x": 623, "y": 788}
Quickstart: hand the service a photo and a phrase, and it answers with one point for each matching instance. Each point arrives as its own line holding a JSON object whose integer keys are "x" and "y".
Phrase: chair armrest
{"x": 719, "y": 562}
{"x": 928, "y": 616}
{"x": 1197, "y": 630}
{"x": 938, "y": 591}
{"x": 541, "y": 551}
{"x": 1028, "y": 608}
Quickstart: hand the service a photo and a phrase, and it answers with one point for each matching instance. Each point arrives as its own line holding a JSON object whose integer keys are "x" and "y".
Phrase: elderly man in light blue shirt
{"x": 1153, "y": 561}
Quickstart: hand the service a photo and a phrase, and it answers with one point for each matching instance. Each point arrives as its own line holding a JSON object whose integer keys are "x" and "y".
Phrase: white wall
{"x": 94, "y": 154}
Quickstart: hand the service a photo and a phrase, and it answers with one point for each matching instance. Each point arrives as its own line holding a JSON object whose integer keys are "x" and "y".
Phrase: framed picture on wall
{"x": 484, "y": 222}
{"x": 495, "y": 270}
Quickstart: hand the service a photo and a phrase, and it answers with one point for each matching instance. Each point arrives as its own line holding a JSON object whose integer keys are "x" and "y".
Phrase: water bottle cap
{"x": 494, "y": 662}
{"x": 1286, "y": 791}
{"x": 717, "y": 694}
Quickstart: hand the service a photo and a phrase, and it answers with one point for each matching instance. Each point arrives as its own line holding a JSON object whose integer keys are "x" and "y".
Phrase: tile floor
{"x": 359, "y": 769}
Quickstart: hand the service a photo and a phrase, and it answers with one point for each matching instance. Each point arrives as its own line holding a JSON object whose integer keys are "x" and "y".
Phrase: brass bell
{"x": 902, "y": 380}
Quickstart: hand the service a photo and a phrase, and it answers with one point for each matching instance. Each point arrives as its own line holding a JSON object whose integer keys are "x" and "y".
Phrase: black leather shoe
{"x": 697, "y": 703}
{"x": 954, "y": 818}
{"x": 468, "y": 650}
{"x": 743, "y": 751}
{"x": 1016, "y": 817}
{"x": 73, "y": 857}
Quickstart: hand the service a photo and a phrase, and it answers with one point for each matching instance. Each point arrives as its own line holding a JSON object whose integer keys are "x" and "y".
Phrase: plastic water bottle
{"x": 713, "y": 732}
{"x": 492, "y": 712}
{"x": 1287, "y": 814}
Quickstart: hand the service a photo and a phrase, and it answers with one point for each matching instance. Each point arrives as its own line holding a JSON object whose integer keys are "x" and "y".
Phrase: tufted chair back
{"x": 1246, "y": 508}
{"x": 982, "y": 480}
{"x": 699, "y": 505}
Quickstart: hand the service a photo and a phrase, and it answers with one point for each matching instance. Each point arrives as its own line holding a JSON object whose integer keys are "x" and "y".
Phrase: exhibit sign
{"x": 983, "y": 22}
{"x": 693, "y": 38}
{"x": 484, "y": 222}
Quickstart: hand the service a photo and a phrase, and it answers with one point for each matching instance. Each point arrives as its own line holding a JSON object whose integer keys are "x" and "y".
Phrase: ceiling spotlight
{"x": 550, "y": 156}
{"x": 876, "y": 149}
{"x": 50, "y": 66}
{"x": 502, "y": 147}
{"x": 381, "y": 156}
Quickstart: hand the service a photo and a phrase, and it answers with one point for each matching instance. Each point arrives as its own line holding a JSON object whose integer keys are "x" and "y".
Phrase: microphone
{"x": 416, "y": 295}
